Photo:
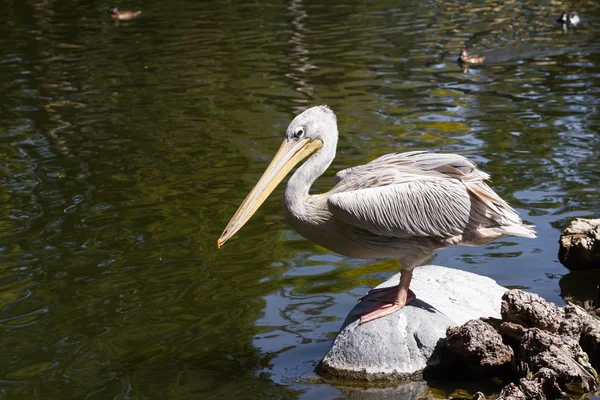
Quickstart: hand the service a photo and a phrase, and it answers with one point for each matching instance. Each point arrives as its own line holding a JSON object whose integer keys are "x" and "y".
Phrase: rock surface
{"x": 512, "y": 392}
{"x": 400, "y": 346}
{"x": 580, "y": 244}
{"x": 548, "y": 346}
{"x": 482, "y": 346}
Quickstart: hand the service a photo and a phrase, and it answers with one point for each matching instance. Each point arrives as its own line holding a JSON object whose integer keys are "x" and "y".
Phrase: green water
{"x": 126, "y": 147}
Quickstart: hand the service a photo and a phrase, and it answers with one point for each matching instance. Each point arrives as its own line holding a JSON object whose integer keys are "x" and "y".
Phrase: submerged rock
{"x": 580, "y": 244}
{"x": 400, "y": 346}
{"x": 402, "y": 391}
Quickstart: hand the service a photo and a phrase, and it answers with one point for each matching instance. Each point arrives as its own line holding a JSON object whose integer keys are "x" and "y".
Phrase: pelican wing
{"x": 388, "y": 161}
{"x": 343, "y": 174}
{"x": 418, "y": 194}
{"x": 413, "y": 206}
{"x": 452, "y": 165}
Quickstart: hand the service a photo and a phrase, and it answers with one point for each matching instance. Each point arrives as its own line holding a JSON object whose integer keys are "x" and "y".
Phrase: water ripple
{"x": 127, "y": 146}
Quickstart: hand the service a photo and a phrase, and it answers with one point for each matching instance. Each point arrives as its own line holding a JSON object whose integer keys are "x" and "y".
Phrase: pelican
{"x": 403, "y": 206}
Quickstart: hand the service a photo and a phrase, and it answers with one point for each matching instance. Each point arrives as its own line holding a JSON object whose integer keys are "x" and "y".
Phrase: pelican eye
{"x": 298, "y": 133}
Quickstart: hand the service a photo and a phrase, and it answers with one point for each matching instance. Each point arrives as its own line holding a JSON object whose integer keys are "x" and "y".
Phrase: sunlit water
{"x": 126, "y": 147}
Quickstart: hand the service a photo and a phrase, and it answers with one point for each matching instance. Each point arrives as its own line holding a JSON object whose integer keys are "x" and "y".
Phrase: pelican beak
{"x": 289, "y": 154}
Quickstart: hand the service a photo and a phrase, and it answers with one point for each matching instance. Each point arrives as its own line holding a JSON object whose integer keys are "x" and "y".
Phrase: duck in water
{"x": 466, "y": 58}
{"x": 566, "y": 18}
{"x": 573, "y": 18}
{"x": 122, "y": 15}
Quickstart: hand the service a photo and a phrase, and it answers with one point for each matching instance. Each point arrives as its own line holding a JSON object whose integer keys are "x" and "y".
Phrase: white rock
{"x": 401, "y": 345}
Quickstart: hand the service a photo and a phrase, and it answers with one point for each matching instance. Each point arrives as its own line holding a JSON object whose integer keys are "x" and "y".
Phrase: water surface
{"x": 127, "y": 146}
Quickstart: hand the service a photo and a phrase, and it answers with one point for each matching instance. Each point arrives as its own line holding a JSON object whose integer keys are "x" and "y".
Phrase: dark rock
{"x": 541, "y": 349}
{"x": 548, "y": 344}
{"x": 589, "y": 334}
{"x": 480, "y": 347}
{"x": 580, "y": 244}
{"x": 511, "y": 392}
{"x": 530, "y": 310}
{"x": 510, "y": 332}
{"x": 546, "y": 378}
{"x": 541, "y": 386}
{"x": 531, "y": 388}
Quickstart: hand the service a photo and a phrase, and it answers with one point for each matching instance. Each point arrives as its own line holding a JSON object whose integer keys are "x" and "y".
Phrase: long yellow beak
{"x": 289, "y": 154}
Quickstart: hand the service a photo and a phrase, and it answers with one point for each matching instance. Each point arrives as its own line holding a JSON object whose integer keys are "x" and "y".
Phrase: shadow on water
{"x": 126, "y": 147}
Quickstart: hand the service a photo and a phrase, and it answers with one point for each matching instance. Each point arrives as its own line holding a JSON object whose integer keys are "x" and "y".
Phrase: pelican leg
{"x": 402, "y": 298}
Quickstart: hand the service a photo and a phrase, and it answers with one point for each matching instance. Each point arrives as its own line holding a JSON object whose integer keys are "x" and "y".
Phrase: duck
{"x": 564, "y": 17}
{"x": 122, "y": 15}
{"x": 466, "y": 58}
{"x": 574, "y": 18}
{"x": 569, "y": 18}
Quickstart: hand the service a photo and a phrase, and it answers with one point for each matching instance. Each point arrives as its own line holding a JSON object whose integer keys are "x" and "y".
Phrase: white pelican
{"x": 403, "y": 206}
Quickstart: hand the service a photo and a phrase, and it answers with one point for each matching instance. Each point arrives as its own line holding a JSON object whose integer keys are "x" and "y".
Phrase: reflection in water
{"x": 412, "y": 390}
{"x": 582, "y": 288}
{"x": 126, "y": 149}
{"x": 300, "y": 55}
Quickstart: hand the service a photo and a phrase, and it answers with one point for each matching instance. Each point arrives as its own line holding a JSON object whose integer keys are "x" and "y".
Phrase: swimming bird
{"x": 402, "y": 205}
{"x": 466, "y": 58}
{"x": 122, "y": 15}
{"x": 572, "y": 18}
{"x": 563, "y": 17}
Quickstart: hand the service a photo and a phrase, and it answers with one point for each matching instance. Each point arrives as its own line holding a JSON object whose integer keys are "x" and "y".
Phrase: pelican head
{"x": 313, "y": 129}
{"x": 112, "y": 10}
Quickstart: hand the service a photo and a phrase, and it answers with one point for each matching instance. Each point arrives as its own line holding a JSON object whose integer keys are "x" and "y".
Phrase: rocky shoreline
{"x": 540, "y": 349}
{"x": 404, "y": 345}
{"x": 465, "y": 325}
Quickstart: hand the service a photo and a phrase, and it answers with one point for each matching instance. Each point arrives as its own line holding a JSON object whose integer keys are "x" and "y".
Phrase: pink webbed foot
{"x": 382, "y": 311}
{"x": 391, "y": 307}
{"x": 396, "y": 297}
{"x": 386, "y": 295}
